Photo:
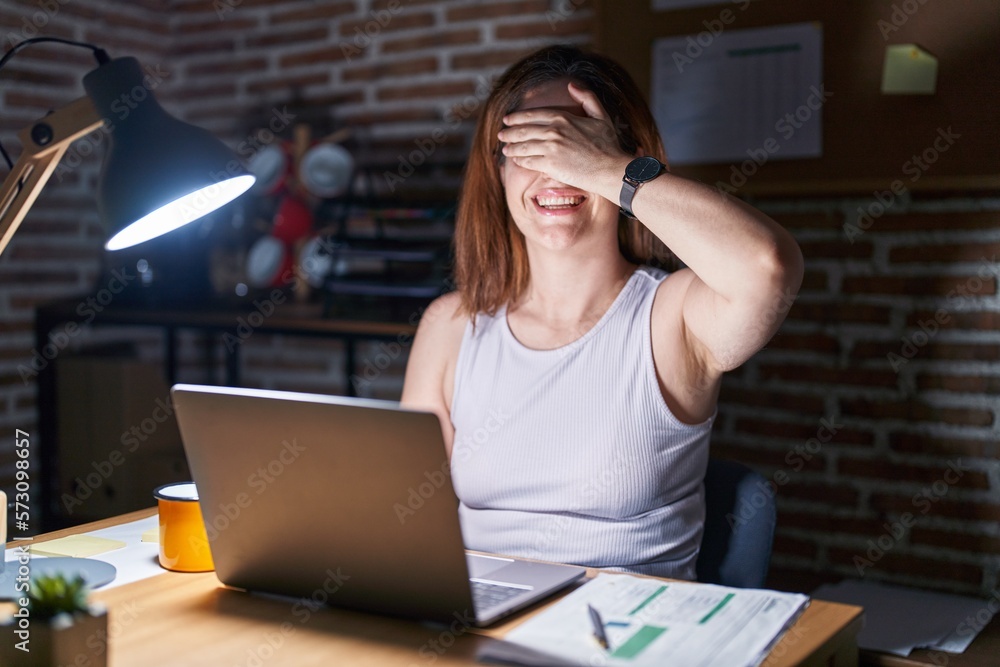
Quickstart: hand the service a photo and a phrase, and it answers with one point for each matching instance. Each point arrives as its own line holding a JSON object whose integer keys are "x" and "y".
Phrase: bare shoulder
{"x": 444, "y": 316}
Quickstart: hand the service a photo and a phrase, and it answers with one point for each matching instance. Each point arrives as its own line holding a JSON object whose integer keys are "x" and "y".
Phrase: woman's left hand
{"x": 574, "y": 150}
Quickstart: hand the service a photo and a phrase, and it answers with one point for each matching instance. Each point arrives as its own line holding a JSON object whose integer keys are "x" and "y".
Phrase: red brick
{"x": 863, "y": 377}
{"x": 945, "y": 252}
{"x": 42, "y": 252}
{"x": 792, "y": 579}
{"x": 443, "y": 89}
{"x": 919, "y": 285}
{"x": 327, "y": 54}
{"x": 534, "y": 29}
{"x": 896, "y": 563}
{"x": 983, "y": 544}
{"x": 912, "y": 443}
{"x": 228, "y": 66}
{"x": 215, "y": 46}
{"x": 115, "y": 20}
{"x": 23, "y": 326}
{"x": 756, "y": 456}
{"x": 228, "y": 25}
{"x": 825, "y": 522}
{"x": 973, "y": 384}
{"x": 793, "y": 546}
{"x": 17, "y": 98}
{"x": 379, "y": 5}
{"x": 208, "y": 6}
{"x": 58, "y": 80}
{"x": 372, "y": 72}
{"x": 498, "y": 10}
{"x": 913, "y": 410}
{"x": 390, "y": 116}
{"x": 324, "y": 10}
{"x": 929, "y": 352}
{"x": 400, "y": 21}
{"x": 298, "y": 37}
{"x": 795, "y": 431}
{"x": 815, "y": 280}
{"x": 335, "y": 99}
{"x": 840, "y": 495}
{"x": 823, "y": 220}
{"x": 836, "y": 250}
{"x": 258, "y": 85}
{"x": 797, "y": 401}
{"x": 812, "y": 342}
{"x": 433, "y": 41}
{"x": 937, "y": 221}
{"x": 839, "y": 312}
{"x": 13, "y": 275}
{"x": 935, "y": 506}
{"x": 904, "y": 472}
{"x": 947, "y": 319}
{"x": 488, "y": 59}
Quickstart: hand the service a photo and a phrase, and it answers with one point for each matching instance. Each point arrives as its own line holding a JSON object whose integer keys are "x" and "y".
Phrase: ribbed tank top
{"x": 571, "y": 454}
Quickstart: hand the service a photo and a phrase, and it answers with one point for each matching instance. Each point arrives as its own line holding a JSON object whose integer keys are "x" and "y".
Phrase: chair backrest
{"x": 739, "y": 526}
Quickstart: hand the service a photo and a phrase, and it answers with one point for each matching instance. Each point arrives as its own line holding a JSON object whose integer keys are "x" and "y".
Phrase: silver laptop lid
{"x": 328, "y": 498}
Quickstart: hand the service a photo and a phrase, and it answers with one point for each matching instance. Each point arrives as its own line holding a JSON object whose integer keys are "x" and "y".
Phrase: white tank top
{"x": 571, "y": 455}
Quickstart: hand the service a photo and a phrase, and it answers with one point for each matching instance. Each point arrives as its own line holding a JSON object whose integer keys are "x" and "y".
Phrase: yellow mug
{"x": 183, "y": 540}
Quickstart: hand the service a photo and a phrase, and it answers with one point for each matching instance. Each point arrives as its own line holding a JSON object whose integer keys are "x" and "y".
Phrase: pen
{"x": 599, "y": 634}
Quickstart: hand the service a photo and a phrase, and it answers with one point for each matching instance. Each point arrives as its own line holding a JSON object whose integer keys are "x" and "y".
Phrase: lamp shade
{"x": 159, "y": 173}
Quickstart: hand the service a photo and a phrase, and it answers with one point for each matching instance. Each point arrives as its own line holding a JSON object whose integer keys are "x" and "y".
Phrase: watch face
{"x": 643, "y": 169}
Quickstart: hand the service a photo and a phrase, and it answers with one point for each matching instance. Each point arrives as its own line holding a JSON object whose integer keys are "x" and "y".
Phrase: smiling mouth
{"x": 558, "y": 203}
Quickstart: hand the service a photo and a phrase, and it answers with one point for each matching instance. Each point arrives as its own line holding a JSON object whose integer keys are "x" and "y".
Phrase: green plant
{"x": 54, "y": 594}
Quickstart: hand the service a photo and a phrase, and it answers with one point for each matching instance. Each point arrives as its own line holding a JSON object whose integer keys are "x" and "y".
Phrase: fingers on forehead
{"x": 529, "y": 115}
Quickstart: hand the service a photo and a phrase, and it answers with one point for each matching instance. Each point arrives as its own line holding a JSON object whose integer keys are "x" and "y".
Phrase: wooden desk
{"x": 188, "y": 620}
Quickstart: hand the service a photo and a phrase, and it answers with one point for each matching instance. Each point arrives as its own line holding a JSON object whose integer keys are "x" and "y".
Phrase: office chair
{"x": 739, "y": 526}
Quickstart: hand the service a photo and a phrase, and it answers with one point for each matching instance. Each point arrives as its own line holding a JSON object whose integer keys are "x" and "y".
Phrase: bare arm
{"x": 430, "y": 368}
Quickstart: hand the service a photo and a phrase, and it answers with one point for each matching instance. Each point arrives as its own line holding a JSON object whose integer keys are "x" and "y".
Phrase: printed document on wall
{"x": 727, "y": 95}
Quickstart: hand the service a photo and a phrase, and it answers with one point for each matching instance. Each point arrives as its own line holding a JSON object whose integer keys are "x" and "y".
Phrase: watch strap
{"x": 625, "y": 198}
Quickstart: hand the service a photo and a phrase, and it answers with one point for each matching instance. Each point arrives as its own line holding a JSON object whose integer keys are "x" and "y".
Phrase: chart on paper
{"x": 652, "y": 622}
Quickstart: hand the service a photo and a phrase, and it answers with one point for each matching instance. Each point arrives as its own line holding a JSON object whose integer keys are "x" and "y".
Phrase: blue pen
{"x": 599, "y": 634}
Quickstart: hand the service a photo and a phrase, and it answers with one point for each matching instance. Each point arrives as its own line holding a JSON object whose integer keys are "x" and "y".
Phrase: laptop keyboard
{"x": 487, "y": 596}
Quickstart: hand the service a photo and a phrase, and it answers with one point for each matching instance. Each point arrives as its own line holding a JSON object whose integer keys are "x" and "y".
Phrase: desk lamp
{"x": 158, "y": 175}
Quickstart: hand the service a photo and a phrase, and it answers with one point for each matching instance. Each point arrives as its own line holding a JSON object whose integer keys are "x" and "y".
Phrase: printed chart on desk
{"x": 652, "y": 622}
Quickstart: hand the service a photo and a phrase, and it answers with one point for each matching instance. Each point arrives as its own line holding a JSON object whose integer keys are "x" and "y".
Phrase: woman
{"x": 575, "y": 386}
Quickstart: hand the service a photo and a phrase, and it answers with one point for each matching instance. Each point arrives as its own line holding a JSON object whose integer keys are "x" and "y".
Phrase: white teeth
{"x": 550, "y": 202}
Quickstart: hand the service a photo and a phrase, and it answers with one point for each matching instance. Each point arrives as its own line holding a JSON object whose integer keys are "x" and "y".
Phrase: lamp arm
{"x": 44, "y": 144}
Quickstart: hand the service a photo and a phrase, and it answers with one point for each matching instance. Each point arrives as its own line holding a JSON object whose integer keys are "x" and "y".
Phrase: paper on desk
{"x": 655, "y": 623}
{"x": 898, "y": 619}
{"x": 77, "y": 546}
{"x": 138, "y": 560}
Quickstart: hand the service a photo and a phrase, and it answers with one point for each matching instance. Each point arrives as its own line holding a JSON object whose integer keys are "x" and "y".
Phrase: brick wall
{"x": 57, "y": 252}
{"x": 873, "y": 410}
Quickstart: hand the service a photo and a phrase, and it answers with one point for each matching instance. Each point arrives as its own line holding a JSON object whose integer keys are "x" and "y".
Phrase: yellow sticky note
{"x": 152, "y": 535}
{"x": 77, "y": 546}
{"x": 908, "y": 70}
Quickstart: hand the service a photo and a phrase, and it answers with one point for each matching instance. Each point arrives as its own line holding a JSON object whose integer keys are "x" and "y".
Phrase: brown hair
{"x": 491, "y": 261}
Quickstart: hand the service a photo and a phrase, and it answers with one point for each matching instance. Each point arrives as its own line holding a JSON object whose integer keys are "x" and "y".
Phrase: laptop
{"x": 345, "y": 501}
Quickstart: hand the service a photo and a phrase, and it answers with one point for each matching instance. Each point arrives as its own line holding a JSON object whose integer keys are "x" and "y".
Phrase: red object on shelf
{"x": 293, "y": 221}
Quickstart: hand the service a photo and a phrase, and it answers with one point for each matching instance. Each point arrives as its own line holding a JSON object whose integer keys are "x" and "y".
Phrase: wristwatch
{"x": 640, "y": 170}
